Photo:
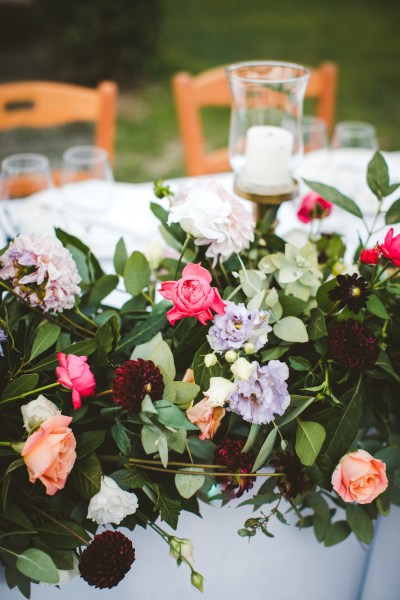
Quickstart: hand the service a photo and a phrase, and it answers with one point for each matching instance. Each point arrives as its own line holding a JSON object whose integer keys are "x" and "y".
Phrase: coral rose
{"x": 49, "y": 453}
{"x": 206, "y": 417}
{"x": 313, "y": 207}
{"x": 359, "y": 477}
{"x": 75, "y": 374}
{"x": 192, "y": 295}
{"x": 391, "y": 247}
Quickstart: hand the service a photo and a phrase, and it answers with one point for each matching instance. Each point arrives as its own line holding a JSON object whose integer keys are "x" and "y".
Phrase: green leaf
{"x": 144, "y": 350}
{"x": 393, "y": 214}
{"x": 324, "y": 303}
{"x": 21, "y": 385}
{"x": 384, "y": 363}
{"x": 203, "y": 374}
{"x": 376, "y": 307}
{"x": 83, "y": 348}
{"x": 86, "y": 476}
{"x": 169, "y": 510}
{"x": 171, "y": 416}
{"x": 107, "y": 337}
{"x": 187, "y": 485}
{"x": 292, "y": 307}
{"x": 37, "y": 565}
{"x": 265, "y": 449}
{"x": 378, "y": 176}
{"x": 144, "y": 331}
{"x": 274, "y": 353}
{"x": 309, "y": 439}
{"x": 186, "y": 392}
{"x": 291, "y": 329}
{"x": 360, "y": 522}
{"x": 289, "y": 416}
{"x": 150, "y": 435}
{"x": 65, "y": 535}
{"x": 46, "y": 335}
{"x": 88, "y": 441}
{"x": 202, "y": 449}
{"x": 120, "y": 256}
{"x": 332, "y": 195}
{"x": 390, "y": 456}
{"x": 14, "y": 514}
{"x": 251, "y": 438}
{"x": 336, "y": 533}
{"x": 103, "y": 286}
{"x": 136, "y": 273}
{"x": 162, "y": 356}
{"x": 298, "y": 363}
{"x": 317, "y": 327}
{"x": 343, "y": 430}
{"x": 176, "y": 440}
{"x": 121, "y": 437}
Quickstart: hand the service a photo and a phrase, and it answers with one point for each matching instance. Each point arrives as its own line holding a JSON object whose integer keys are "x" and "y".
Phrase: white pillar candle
{"x": 268, "y": 151}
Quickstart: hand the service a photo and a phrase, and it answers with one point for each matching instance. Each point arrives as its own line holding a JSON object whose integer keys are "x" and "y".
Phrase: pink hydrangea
{"x": 41, "y": 271}
{"x": 214, "y": 218}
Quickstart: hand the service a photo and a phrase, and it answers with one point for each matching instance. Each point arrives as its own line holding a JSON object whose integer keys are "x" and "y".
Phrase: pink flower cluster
{"x": 390, "y": 249}
{"x": 41, "y": 271}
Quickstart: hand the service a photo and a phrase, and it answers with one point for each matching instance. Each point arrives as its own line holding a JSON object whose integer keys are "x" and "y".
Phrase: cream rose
{"x": 111, "y": 504}
{"x": 37, "y": 411}
{"x": 219, "y": 391}
{"x": 242, "y": 369}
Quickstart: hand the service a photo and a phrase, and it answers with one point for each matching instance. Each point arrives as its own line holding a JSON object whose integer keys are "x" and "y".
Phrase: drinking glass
{"x": 315, "y": 134}
{"x": 21, "y": 176}
{"x": 354, "y": 134}
{"x": 86, "y": 181}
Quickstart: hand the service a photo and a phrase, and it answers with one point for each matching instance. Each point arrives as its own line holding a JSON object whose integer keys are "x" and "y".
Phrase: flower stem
{"x": 209, "y": 474}
{"x": 147, "y": 297}
{"x": 103, "y": 393}
{"x": 84, "y": 317}
{"x": 76, "y": 326}
{"x": 185, "y": 245}
{"x": 20, "y": 396}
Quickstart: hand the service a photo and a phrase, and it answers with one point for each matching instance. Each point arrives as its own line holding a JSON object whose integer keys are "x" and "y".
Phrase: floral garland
{"x": 262, "y": 359}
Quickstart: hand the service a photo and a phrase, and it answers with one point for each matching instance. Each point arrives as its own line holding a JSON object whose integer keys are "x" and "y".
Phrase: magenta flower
{"x": 75, "y": 373}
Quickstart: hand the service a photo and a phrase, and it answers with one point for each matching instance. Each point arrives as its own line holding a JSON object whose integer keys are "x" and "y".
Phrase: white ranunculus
{"x": 111, "y": 504}
{"x": 37, "y": 411}
{"x": 242, "y": 369}
{"x": 219, "y": 391}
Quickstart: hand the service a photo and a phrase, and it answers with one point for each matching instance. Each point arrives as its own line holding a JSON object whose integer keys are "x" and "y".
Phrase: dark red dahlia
{"x": 107, "y": 559}
{"x": 133, "y": 380}
{"x": 293, "y": 481}
{"x": 229, "y": 453}
{"x": 351, "y": 292}
{"x": 352, "y": 344}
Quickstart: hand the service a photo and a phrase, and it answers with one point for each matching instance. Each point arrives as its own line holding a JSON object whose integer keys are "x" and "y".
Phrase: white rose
{"x": 201, "y": 211}
{"x": 182, "y": 548}
{"x": 37, "y": 411}
{"x": 219, "y": 391}
{"x": 242, "y": 369}
{"x": 111, "y": 504}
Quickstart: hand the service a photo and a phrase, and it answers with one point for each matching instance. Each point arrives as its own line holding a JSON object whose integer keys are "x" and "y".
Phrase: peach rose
{"x": 359, "y": 477}
{"x": 49, "y": 453}
{"x": 206, "y": 417}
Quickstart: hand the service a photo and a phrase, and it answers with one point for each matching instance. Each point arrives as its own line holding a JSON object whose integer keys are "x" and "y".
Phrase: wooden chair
{"x": 211, "y": 88}
{"x": 38, "y": 104}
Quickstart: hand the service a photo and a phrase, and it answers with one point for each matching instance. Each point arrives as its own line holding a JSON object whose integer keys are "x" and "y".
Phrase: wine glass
{"x": 86, "y": 182}
{"x": 21, "y": 176}
{"x": 315, "y": 134}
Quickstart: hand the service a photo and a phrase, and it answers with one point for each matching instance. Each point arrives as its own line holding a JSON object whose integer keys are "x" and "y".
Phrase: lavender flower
{"x": 41, "y": 271}
{"x": 3, "y": 338}
{"x": 237, "y": 327}
{"x": 264, "y": 395}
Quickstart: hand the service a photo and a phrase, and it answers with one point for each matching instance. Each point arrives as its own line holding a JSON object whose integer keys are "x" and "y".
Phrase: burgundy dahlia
{"x": 351, "y": 292}
{"x": 293, "y": 480}
{"x": 229, "y": 453}
{"x": 133, "y": 380}
{"x": 107, "y": 559}
{"x": 353, "y": 345}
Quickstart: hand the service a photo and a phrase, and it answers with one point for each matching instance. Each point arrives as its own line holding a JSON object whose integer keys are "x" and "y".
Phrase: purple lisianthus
{"x": 238, "y": 326}
{"x": 264, "y": 395}
{"x": 3, "y": 338}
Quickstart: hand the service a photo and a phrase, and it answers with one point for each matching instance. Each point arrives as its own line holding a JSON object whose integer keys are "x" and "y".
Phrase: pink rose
{"x": 391, "y": 247}
{"x": 313, "y": 207}
{"x": 206, "y": 417}
{"x": 75, "y": 374}
{"x": 192, "y": 295}
{"x": 49, "y": 453}
{"x": 370, "y": 256}
{"x": 359, "y": 477}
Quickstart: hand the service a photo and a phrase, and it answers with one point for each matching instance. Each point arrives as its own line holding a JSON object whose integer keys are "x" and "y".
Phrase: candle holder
{"x": 265, "y": 139}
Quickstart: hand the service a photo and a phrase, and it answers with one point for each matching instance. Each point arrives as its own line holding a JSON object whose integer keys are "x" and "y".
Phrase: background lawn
{"x": 361, "y": 36}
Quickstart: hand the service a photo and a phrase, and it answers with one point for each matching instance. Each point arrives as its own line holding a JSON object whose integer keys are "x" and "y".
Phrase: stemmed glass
{"x": 354, "y": 134}
{"x": 21, "y": 176}
{"x": 315, "y": 134}
{"x": 86, "y": 183}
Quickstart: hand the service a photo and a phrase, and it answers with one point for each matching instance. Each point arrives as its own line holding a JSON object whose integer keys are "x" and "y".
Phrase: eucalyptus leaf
{"x": 265, "y": 449}
{"x": 188, "y": 485}
{"x": 120, "y": 256}
{"x": 37, "y": 565}
{"x": 291, "y": 329}
{"x": 136, "y": 273}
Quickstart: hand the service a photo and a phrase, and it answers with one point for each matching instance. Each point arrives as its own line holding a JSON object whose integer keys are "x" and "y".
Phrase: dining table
{"x": 233, "y": 567}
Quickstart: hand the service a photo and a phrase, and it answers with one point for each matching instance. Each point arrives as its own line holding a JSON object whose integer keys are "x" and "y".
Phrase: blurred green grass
{"x": 360, "y": 36}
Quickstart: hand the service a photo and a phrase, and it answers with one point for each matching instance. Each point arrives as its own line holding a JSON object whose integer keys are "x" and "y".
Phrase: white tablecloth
{"x": 293, "y": 564}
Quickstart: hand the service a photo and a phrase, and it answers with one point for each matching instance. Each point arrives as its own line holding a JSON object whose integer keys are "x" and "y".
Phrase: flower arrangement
{"x": 240, "y": 357}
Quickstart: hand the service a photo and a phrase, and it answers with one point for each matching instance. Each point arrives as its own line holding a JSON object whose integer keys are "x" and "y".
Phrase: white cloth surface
{"x": 293, "y": 565}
